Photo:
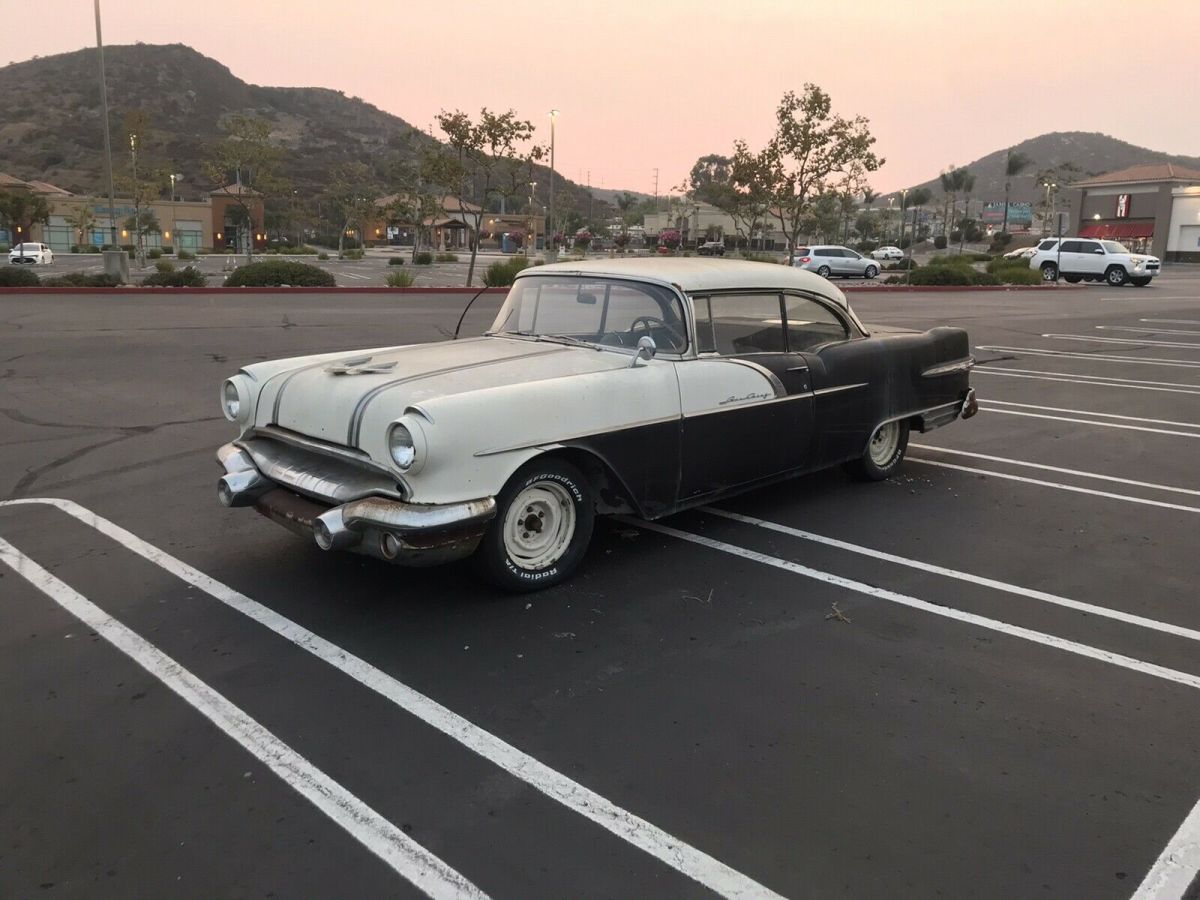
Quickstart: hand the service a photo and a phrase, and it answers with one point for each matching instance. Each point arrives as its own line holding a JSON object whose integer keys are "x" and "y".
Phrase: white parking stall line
{"x": 353, "y": 275}
{"x": 680, "y": 856}
{"x": 1174, "y": 321}
{"x": 406, "y": 857}
{"x": 1184, "y": 345}
{"x": 1143, "y": 330}
{"x": 1165, "y": 387}
{"x": 1056, "y": 485}
{"x": 1044, "y": 596}
{"x": 1046, "y": 468}
{"x": 1177, "y": 867}
{"x": 1095, "y": 357}
{"x": 1038, "y": 637}
{"x": 1029, "y": 415}
{"x": 1088, "y": 412}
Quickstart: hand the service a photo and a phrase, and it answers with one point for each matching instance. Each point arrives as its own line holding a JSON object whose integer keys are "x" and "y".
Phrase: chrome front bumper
{"x": 389, "y": 529}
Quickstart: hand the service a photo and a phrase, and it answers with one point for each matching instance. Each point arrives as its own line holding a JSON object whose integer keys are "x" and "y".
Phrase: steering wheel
{"x": 652, "y": 322}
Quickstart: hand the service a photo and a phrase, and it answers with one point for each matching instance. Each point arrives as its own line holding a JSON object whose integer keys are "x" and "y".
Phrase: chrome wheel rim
{"x": 539, "y": 526}
{"x": 823, "y": 271}
{"x": 1048, "y": 273}
{"x": 884, "y": 443}
{"x": 1115, "y": 277}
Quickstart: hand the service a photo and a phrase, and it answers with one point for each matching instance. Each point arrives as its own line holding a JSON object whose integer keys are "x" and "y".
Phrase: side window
{"x": 704, "y": 327}
{"x": 1048, "y": 245}
{"x": 809, "y": 324}
{"x": 1071, "y": 246}
{"x": 1089, "y": 247}
{"x": 745, "y": 323}
{"x": 821, "y": 251}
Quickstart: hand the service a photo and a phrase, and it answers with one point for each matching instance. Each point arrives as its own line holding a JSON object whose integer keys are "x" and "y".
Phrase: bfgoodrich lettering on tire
{"x": 543, "y": 524}
{"x": 884, "y": 454}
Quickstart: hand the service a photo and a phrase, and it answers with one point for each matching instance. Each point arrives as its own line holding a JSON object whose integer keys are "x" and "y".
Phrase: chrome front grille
{"x": 319, "y": 470}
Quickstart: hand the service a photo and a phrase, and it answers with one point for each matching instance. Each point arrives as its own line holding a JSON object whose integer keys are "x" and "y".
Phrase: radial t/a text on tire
{"x": 884, "y": 454}
{"x": 543, "y": 524}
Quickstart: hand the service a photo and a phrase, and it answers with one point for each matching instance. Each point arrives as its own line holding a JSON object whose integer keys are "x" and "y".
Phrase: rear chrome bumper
{"x": 389, "y": 529}
{"x": 946, "y": 413}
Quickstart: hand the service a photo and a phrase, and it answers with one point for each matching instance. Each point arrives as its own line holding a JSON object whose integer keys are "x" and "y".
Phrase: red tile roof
{"x": 1155, "y": 172}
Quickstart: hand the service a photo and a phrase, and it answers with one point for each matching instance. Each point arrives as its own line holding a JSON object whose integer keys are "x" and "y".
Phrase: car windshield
{"x": 1115, "y": 247}
{"x": 609, "y": 313}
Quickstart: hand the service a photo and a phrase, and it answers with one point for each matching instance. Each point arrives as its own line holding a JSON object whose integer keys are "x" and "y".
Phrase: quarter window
{"x": 809, "y": 324}
{"x": 743, "y": 323}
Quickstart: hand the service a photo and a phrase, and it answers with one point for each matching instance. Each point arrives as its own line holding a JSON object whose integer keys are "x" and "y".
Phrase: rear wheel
{"x": 884, "y": 454}
{"x": 1049, "y": 272}
{"x": 824, "y": 271}
{"x": 1139, "y": 282}
{"x": 1116, "y": 276}
{"x": 1073, "y": 279}
{"x": 871, "y": 272}
{"x": 543, "y": 525}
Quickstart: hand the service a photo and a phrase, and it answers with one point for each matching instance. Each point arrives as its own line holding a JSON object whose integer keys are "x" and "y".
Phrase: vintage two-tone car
{"x": 641, "y": 386}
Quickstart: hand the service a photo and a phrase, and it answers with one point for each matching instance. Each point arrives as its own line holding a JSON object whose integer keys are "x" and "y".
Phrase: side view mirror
{"x": 1101, "y": 252}
{"x": 646, "y": 349}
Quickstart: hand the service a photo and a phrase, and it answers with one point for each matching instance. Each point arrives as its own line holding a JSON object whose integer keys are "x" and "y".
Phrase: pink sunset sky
{"x": 645, "y": 84}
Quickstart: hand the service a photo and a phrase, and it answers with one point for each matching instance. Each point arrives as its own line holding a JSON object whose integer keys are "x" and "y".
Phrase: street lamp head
{"x": 553, "y": 113}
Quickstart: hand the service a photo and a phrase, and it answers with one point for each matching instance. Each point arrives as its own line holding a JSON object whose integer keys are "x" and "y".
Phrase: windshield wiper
{"x": 566, "y": 339}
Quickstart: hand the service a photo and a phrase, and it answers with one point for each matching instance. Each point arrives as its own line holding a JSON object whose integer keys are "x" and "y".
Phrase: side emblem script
{"x": 360, "y": 366}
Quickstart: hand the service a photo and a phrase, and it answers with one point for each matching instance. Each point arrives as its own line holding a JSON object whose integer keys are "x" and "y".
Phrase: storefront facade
{"x": 1143, "y": 207}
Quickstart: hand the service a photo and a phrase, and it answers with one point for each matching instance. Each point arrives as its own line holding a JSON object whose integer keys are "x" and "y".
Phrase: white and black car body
{"x": 638, "y": 386}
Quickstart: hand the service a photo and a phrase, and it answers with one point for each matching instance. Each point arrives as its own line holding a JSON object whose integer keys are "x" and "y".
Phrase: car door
{"x": 823, "y": 257}
{"x": 853, "y": 263}
{"x": 746, "y": 400}
{"x": 1092, "y": 259}
{"x": 1069, "y": 258}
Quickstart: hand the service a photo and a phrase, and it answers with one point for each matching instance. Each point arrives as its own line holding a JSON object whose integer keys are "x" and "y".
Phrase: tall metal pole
{"x": 550, "y": 228}
{"x": 112, "y": 194}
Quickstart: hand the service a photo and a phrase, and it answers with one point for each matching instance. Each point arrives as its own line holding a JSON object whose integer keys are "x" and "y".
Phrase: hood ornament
{"x": 360, "y": 366}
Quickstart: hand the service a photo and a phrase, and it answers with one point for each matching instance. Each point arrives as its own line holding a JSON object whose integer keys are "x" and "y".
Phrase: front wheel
{"x": 1139, "y": 282}
{"x": 884, "y": 454}
{"x": 824, "y": 271}
{"x": 1049, "y": 272}
{"x": 1072, "y": 279}
{"x": 871, "y": 272}
{"x": 1116, "y": 276}
{"x": 543, "y": 525}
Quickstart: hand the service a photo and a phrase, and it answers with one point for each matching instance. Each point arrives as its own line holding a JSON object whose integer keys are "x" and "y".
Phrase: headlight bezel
{"x": 417, "y": 445}
{"x": 234, "y": 407}
{"x": 407, "y": 457}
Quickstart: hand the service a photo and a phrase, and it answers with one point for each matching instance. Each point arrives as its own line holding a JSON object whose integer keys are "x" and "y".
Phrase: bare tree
{"x": 246, "y": 159}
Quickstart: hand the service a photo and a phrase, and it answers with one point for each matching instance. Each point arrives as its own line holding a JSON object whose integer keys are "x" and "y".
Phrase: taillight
{"x": 805, "y": 259}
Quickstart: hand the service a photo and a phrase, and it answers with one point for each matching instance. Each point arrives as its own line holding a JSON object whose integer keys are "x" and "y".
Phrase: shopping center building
{"x": 218, "y": 221}
{"x": 1152, "y": 209}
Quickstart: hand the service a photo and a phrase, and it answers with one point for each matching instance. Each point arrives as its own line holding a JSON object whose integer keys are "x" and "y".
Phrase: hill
{"x": 1090, "y": 152}
{"x": 51, "y": 128}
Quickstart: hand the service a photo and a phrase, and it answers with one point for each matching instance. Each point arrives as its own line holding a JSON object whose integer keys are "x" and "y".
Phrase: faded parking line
{"x": 679, "y": 855}
{"x": 406, "y": 857}
{"x": 1094, "y": 357}
{"x": 1165, "y": 387}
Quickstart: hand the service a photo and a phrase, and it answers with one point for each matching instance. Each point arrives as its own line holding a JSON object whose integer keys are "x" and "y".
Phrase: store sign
{"x": 1019, "y": 214}
{"x": 1122, "y": 206}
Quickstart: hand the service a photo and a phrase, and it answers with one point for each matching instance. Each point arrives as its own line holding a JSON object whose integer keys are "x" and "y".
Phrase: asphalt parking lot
{"x": 979, "y": 679}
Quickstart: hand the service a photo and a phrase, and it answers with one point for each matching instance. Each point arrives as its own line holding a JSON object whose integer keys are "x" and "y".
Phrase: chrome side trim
{"x": 360, "y": 409}
{"x": 839, "y": 388}
{"x": 950, "y": 368}
{"x": 776, "y": 384}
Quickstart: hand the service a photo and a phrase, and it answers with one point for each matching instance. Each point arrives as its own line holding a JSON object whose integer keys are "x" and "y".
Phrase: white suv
{"x": 1086, "y": 259}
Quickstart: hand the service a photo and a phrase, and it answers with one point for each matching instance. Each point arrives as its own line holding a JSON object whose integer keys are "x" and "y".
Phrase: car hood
{"x": 327, "y": 397}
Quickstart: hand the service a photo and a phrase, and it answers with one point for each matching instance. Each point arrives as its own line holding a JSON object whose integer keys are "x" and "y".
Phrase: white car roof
{"x": 700, "y": 275}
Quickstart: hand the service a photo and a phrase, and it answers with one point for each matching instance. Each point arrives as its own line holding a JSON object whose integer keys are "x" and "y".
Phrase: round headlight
{"x": 231, "y": 401}
{"x": 401, "y": 448}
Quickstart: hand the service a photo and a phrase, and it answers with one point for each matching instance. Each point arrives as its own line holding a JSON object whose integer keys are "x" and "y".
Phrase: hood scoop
{"x": 360, "y": 366}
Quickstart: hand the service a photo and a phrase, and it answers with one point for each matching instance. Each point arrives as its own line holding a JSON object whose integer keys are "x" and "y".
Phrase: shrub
{"x": 352, "y": 254}
{"x": 164, "y": 266}
{"x": 1000, "y": 240}
{"x": 4, "y": 248}
{"x": 154, "y": 253}
{"x": 941, "y": 275}
{"x": 501, "y": 274}
{"x": 167, "y": 249}
{"x": 188, "y": 276}
{"x": 979, "y": 257}
{"x": 18, "y": 276}
{"x": 396, "y": 261}
{"x": 984, "y": 278}
{"x": 83, "y": 279}
{"x": 186, "y": 254}
{"x": 901, "y": 265}
{"x": 278, "y": 272}
{"x": 322, "y": 256}
{"x": 129, "y": 248}
{"x": 940, "y": 242}
{"x": 303, "y": 250}
{"x": 1014, "y": 271}
{"x": 424, "y": 258}
{"x": 400, "y": 279}
{"x": 447, "y": 257}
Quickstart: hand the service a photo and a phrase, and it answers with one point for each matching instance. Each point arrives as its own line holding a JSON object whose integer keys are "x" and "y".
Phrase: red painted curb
{"x": 961, "y": 288}
{"x": 135, "y": 289}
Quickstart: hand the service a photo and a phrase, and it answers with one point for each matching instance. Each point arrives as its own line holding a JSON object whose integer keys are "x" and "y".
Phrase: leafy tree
{"x": 142, "y": 224}
{"x": 20, "y": 210}
{"x": 415, "y": 198}
{"x": 812, "y": 152}
{"x": 748, "y": 202}
{"x": 967, "y": 184}
{"x": 142, "y": 183}
{"x": 709, "y": 180}
{"x": 81, "y": 220}
{"x": 247, "y": 158}
{"x": 1015, "y": 162}
{"x": 352, "y": 195}
{"x": 482, "y": 161}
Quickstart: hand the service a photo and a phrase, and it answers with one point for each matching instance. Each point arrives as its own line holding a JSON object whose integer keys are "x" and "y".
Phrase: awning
{"x": 1118, "y": 230}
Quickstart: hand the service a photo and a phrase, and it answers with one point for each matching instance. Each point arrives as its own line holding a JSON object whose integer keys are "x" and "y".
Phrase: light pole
{"x": 887, "y": 224}
{"x": 532, "y": 245}
{"x": 903, "y": 200}
{"x": 550, "y": 219}
{"x": 112, "y": 194}
{"x": 1046, "y": 218}
{"x": 174, "y": 212}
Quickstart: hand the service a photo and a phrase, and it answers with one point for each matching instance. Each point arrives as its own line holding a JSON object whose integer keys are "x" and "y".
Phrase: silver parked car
{"x": 828, "y": 261}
